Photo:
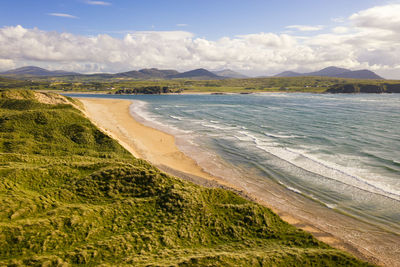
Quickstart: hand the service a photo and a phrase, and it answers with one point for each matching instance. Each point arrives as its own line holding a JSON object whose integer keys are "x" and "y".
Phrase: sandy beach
{"x": 361, "y": 239}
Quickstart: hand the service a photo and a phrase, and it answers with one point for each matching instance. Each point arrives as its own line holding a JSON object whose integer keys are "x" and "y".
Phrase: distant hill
{"x": 36, "y": 71}
{"x": 360, "y": 74}
{"x": 158, "y": 73}
{"x": 334, "y": 72}
{"x": 288, "y": 74}
{"x": 148, "y": 74}
{"x": 229, "y": 74}
{"x": 131, "y": 74}
{"x": 329, "y": 72}
{"x": 199, "y": 74}
{"x": 143, "y": 74}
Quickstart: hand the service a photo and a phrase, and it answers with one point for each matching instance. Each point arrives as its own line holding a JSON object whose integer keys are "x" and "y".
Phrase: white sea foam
{"x": 279, "y": 135}
{"x": 303, "y": 160}
{"x": 274, "y": 95}
{"x": 255, "y": 139}
{"x": 290, "y": 188}
{"x": 357, "y": 176}
{"x": 138, "y": 110}
{"x": 217, "y": 126}
{"x": 243, "y": 138}
{"x": 331, "y": 206}
{"x": 177, "y": 118}
{"x": 369, "y": 100}
{"x": 293, "y": 189}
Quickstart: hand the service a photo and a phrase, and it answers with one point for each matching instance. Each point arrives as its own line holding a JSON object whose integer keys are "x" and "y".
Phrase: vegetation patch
{"x": 70, "y": 195}
{"x": 104, "y": 83}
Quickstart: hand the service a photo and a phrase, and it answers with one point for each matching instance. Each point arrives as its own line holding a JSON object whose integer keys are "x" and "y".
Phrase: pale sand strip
{"x": 113, "y": 117}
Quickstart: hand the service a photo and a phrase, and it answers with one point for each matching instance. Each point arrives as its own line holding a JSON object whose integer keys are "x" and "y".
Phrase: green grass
{"x": 111, "y": 85}
{"x": 71, "y": 195}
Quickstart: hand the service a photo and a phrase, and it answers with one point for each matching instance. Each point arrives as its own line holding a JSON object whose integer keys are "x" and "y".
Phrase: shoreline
{"x": 182, "y": 93}
{"x": 159, "y": 148}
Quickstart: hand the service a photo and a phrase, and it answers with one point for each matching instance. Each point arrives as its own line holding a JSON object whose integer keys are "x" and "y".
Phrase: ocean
{"x": 342, "y": 151}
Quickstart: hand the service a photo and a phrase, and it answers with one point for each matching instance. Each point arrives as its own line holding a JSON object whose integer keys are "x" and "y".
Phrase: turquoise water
{"x": 340, "y": 150}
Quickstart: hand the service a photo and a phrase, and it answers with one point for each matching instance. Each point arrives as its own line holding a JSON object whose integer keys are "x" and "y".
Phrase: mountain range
{"x": 334, "y": 72}
{"x": 197, "y": 74}
{"x": 143, "y": 74}
{"x": 147, "y": 73}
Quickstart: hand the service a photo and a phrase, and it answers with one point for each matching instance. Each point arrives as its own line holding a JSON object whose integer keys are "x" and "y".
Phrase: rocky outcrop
{"x": 352, "y": 88}
{"x": 393, "y": 88}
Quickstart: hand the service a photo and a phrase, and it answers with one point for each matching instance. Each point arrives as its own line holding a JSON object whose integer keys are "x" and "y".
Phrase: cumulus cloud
{"x": 98, "y": 3}
{"x": 361, "y": 44}
{"x": 63, "y": 15}
{"x": 379, "y": 17}
{"x": 305, "y": 28}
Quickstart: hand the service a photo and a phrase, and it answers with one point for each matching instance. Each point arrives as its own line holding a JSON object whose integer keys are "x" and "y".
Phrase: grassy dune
{"x": 70, "y": 195}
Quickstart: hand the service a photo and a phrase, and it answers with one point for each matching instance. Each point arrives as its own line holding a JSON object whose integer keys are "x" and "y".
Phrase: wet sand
{"x": 361, "y": 239}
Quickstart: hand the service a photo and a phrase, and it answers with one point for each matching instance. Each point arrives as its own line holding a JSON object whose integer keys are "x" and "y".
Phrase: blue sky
{"x": 207, "y": 18}
{"x": 255, "y": 37}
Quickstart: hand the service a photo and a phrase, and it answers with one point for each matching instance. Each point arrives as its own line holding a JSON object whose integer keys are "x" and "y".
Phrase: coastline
{"x": 338, "y": 230}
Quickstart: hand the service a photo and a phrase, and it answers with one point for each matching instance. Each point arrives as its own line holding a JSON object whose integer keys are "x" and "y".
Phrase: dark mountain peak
{"x": 201, "y": 71}
{"x": 334, "y": 72}
{"x": 196, "y": 74}
{"x": 132, "y": 74}
{"x": 361, "y": 74}
{"x": 151, "y": 70}
{"x": 330, "y": 71}
{"x": 156, "y": 73}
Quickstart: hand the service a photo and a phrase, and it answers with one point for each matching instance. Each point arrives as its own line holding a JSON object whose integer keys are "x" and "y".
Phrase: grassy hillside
{"x": 70, "y": 195}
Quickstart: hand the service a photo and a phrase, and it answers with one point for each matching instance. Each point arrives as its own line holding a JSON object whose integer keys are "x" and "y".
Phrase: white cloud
{"x": 358, "y": 45}
{"x": 181, "y": 25}
{"x": 98, "y": 3}
{"x": 340, "y": 30}
{"x": 305, "y": 28}
{"x": 379, "y": 17}
{"x": 63, "y": 15}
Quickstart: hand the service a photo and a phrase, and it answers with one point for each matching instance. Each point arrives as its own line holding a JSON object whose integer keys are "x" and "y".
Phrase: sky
{"x": 255, "y": 37}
